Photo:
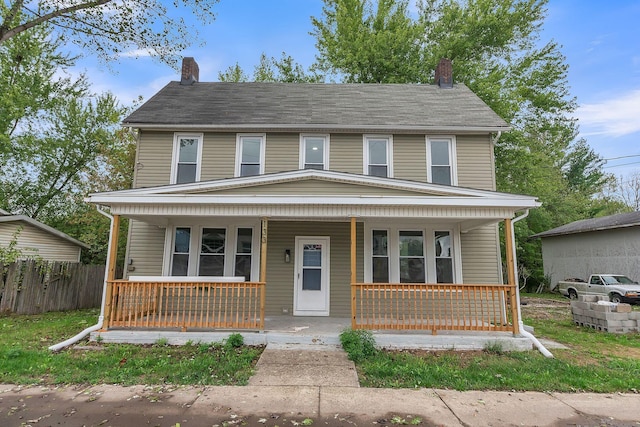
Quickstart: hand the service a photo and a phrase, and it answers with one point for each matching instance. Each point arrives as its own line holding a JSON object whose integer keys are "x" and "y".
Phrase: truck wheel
{"x": 615, "y": 298}
{"x": 573, "y": 294}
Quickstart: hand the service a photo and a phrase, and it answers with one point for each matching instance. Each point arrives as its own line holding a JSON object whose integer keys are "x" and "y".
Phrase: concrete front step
{"x": 290, "y": 365}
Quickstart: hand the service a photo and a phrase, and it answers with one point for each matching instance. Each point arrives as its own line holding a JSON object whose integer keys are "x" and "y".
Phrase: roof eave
{"x": 319, "y": 127}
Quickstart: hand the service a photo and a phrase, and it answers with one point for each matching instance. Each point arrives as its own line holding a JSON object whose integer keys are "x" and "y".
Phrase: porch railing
{"x": 408, "y": 306}
{"x": 166, "y": 304}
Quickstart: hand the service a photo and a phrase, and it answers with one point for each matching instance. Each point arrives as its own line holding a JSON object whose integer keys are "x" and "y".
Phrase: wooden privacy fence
{"x": 149, "y": 304}
{"x": 408, "y": 306}
{"x": 32, "y": 287}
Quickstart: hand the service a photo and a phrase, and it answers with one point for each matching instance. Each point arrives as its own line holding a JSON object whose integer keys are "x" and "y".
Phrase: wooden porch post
{"x": 111, "y": 271}
{"x": 511, "y": 274}
{"x": 353, "y": 272}
{"x": 263, "y": 268}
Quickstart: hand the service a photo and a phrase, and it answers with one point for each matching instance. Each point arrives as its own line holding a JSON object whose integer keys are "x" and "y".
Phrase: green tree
{"x": 271, "y": 69}
{"x": 109, "y": 27}
{"x": 59, "y": 141}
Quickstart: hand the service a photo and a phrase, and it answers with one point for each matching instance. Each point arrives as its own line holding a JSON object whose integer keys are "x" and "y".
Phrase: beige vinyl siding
{"x": 153, "y": 166}
{"x": 480, "y": 256}
{"x": 475, "y": 162}
{"x": 281, "y": 236}
{"x": 146, "y": 248}
{"x": 315, "y": 187}
{"x": 218, "y": 156}
{"x": 409, "y": 157}
{"x": 282, "y": 152}
{"x": 34, "y": 242}
{"x": 345, "y": 153}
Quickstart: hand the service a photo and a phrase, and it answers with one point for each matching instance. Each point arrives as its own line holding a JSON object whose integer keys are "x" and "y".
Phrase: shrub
{"x": 359, "y": 344}
{"x": 235, "y": 340}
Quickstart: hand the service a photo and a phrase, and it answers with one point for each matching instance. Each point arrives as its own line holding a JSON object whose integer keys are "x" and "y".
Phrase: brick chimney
{"x": 444, "y": 74}
{"x": 190, "y": 71}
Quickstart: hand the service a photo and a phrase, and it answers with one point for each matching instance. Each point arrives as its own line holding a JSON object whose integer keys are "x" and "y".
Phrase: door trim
{"x": 326, "y": 272}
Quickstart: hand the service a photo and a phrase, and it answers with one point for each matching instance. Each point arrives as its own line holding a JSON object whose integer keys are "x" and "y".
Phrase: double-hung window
{"x": 397, "y": 254}
{"x": 250, "y": 155}
{"x": 187, "y": 156}
{"x": 378, "y": 152}
{"x": 441, "y": 160}
{"x": 314, "y": 152}
{"x": 213, "y": 251}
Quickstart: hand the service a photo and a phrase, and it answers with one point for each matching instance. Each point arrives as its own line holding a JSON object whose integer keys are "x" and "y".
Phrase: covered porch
{"x": 346, "y": 217}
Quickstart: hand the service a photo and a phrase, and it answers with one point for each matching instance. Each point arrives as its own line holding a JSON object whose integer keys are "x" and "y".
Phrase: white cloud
{"x": 614, "y": 117}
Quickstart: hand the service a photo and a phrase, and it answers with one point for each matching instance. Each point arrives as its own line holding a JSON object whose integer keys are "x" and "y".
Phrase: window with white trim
{"x": 214, "y": 251}
{"x": 380, "y": 256}
{"x": 411, "y": 256}
{"x": 250, "y": 154}
{"x": 187, "y": 156}
{"x": 180, "y": 252}
{"x": 444, "y": 257}
{"x": 400, "y": 254}
{"x": 314, "y": 152}
{"x": 441, "y": 160}
{"x": 378, "y": 156}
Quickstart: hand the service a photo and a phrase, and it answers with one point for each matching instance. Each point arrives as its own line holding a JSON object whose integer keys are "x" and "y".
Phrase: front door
{"x": 311, "y": 277}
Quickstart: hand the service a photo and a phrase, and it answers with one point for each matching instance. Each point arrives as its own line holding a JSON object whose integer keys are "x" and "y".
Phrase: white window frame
{"x": 303, "y": 151}
{"x": 176, "y": 154}
{"x": 231, "y": 236}
{"x": 365, "y": 153}
{"x": 428, "y": 231}
{"x": 453, "y": 161}
{"x": 239, "y": 141}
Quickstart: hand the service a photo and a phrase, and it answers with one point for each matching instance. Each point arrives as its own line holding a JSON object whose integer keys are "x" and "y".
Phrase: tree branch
{"x": 7, "y": 34}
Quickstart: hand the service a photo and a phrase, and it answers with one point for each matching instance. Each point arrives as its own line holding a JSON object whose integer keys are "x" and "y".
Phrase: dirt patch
{"x": 545, "y": 309}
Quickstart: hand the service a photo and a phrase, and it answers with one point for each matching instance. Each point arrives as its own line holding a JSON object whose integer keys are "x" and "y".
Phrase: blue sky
{"x": 601, "y": 41}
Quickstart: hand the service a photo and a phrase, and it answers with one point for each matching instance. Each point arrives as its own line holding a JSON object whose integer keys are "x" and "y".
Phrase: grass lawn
{"x": 595, "y": 361}
{"x": 25, "y": 358}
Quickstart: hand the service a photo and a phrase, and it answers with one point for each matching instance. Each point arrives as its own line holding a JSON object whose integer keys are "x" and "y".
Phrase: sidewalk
{"x": 330, "y": 396}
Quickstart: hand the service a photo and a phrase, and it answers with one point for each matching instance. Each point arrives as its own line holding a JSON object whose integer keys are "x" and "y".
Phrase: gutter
{"x": 523, "y": 332}
{"x": 87, "y": 331}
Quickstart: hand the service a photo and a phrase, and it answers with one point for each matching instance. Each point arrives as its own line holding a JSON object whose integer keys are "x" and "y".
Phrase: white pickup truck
{"x": 619, "y": 288}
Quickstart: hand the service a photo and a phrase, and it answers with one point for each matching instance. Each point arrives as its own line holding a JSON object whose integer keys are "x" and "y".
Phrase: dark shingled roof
{"x": 595, "y": 224}
{"x": 287, "y": 105}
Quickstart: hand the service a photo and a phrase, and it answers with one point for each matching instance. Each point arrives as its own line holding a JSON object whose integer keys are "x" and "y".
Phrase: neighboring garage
{"x": 609, "y": 244}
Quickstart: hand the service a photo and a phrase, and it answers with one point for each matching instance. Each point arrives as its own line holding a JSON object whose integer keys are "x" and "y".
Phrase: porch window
{"x": 380, "y": 257}
{"x": 399, "y": 254}
{"x": 180, "y": 253}
{"x": 243, "y": 253}
{"x": 377, "y": 156}
{"x": 440, "y": 161}
{"x": 412, "y": 260}
{"x": 314, "y": 152}
{"x": 250, "y": 155}
{"x": 187, "y": 155}
{"x": 212, "y": 249}
{"x": 444, "y": 257}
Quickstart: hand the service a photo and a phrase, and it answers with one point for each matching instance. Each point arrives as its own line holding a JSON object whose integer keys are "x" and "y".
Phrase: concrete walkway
{"x": 297, "y": 385}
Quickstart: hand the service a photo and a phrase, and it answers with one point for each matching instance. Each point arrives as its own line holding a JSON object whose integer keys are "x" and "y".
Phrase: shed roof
{"x": 631, "y": 219}
{"x": 17, "y": 218}
{"x": 316, "y": 106}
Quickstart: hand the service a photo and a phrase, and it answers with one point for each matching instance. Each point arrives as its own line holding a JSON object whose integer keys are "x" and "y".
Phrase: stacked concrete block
{"x": 598, "y": 313}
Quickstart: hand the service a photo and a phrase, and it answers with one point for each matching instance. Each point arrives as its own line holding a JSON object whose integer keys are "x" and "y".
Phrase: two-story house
{"x": 374, "y": 202}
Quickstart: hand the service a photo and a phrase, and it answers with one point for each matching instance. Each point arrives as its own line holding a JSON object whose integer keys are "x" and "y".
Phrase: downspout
{"x": 81, "y": 335}
{"x": 523, "y": 332}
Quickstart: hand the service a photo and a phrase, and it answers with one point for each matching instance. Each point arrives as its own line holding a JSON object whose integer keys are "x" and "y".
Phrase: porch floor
{"x": 320, "y": 333}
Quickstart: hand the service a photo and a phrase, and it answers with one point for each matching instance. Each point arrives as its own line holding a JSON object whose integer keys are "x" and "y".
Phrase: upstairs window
{"x": 377, "y": 156}
{"x": 314, "y": 152}
{"x": 187, "y": 155}
{"x": 250, "y": 155}
{"x": 441, "y": 161}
